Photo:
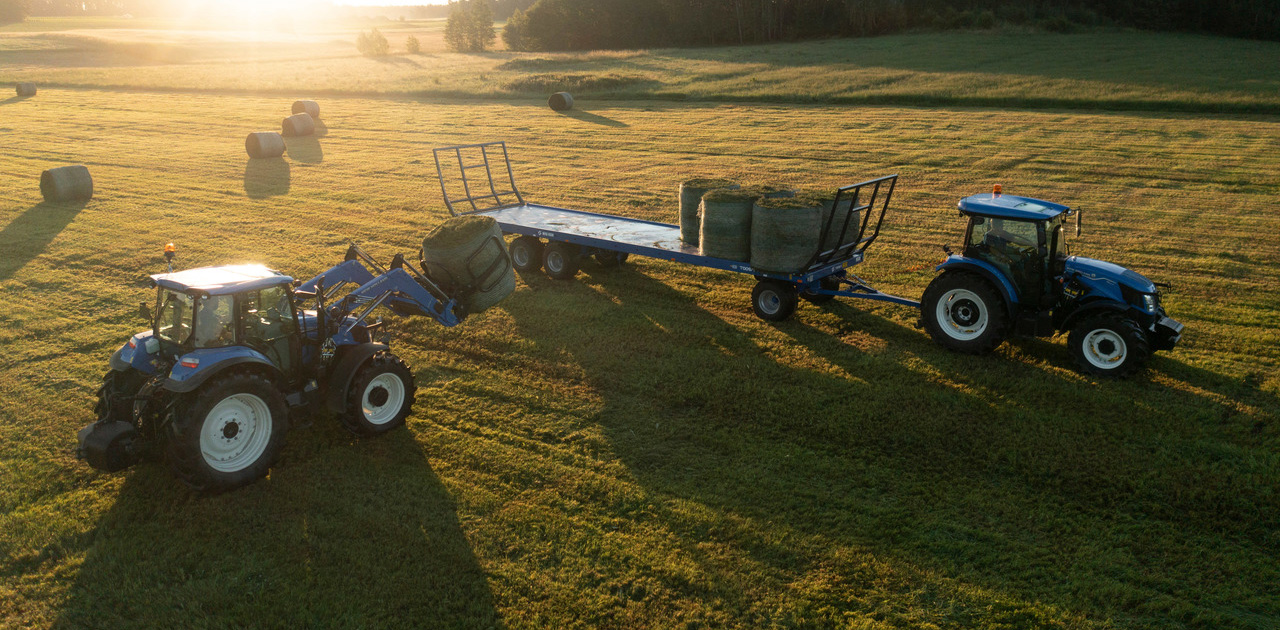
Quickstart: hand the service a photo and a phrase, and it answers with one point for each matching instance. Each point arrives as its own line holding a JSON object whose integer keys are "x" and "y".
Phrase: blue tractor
{"x": 236, "y": 353}
{"x": 1016, "y": 277}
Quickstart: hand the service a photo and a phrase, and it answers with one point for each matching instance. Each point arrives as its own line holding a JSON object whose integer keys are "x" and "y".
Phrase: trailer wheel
{"x": 611, "y": 259}
{"x": 773, "y": 300}
{"x": 1109, "y": 345}
{"x": 828, "y": 284}
{"x": 526, "y": 254}
{"x": 380, "y": 396}
{"x": 228, "y": 433}
{"x": 964, "y": 313}
{"x": 560, "y": 260}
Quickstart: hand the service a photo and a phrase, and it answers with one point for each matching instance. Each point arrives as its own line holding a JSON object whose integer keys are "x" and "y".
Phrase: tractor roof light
{"x": 996, "y": 190}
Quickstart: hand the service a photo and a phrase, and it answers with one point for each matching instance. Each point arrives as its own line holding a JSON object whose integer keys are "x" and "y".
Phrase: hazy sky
{"x": 388, "y": 3}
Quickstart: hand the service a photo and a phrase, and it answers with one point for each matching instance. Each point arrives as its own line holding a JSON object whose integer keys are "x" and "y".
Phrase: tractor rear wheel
{"x": 1109, "y": 345}
{"x": 228, "y": 433}
{"x": 526, "y": 254}
{"x": 560, "y": 260}
{"x": 380, "y": 396}
{"x": 773, "y": 300}
{"x": 964, "y": 313}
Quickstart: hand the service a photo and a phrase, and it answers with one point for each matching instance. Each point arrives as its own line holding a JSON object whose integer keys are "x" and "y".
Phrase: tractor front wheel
{"x": 1109, "y": 345}
{"x": 228, "y": 433}
{"x": 526, "y": 254}
{"x": 380, "y": 396}
{"x": 964, "y": 313}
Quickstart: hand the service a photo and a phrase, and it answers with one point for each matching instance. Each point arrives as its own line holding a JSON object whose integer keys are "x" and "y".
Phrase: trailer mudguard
{"x": 211, "y": 362}
{"x": 988, "y": 271}
{"x": 340, "y": 377}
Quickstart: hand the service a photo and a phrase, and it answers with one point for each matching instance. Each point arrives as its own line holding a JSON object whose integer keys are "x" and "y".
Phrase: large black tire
{"x": 526, "y": 254}
{"x": 380, "y": 396}
{"x": 1109, "y": 345}
{"x": 773, "y": 300}
{"x": 964, "y": 313}
{"x": 829, "y": 284}
{"x": 560, "y": 260}
{"x": 227, "y": 433}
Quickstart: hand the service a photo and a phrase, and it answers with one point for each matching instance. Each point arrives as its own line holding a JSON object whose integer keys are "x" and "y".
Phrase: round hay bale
{"x": 26, "y": 89}
{"x": 468, "y": 258}
{"x": 691, "y": 193}
{"x": 784, "y": 233}
{"x": 561, "y": 101}
{"x": 832, "y": 237}
{"x": 310, "y": 108}
{"x": 67, "y": 183}
{"x": 298, "y": 125}
{"x": 264, "y": 144}
{"x": 726, "y": 223}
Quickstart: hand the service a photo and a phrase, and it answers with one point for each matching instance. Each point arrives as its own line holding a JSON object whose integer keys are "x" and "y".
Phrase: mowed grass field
{"x": 634, "y": 448}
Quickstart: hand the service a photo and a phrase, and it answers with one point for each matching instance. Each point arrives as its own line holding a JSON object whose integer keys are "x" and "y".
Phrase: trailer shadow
{"x": 874, "y": 441}
{"x": 266, "y": 177}
{"x": 28, "y": 234}
{"x": 344, "y": 533}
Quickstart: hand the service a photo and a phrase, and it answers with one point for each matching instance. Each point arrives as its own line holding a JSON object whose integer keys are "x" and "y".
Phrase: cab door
{"x": 268, "y": 325}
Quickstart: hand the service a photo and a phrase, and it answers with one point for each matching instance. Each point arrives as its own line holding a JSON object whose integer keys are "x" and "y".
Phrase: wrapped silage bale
{"x": 775, "y": 191}
{"x": 725, "y": 229}
{"x": 836, "y": 234}
{"x": 467, "y": 256}
{"x": 691, "y": 193}
{"x": 784, "y": 233}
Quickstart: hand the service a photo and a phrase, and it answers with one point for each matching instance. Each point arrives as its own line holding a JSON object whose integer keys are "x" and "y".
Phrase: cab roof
{"x": 1010, "y": 207}
{"x": 221, "y": 280}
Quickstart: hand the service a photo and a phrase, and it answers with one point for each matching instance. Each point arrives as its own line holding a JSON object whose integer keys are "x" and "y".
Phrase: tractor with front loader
{"x": 236, "y": 354}
{"x": 1016, "y": 277}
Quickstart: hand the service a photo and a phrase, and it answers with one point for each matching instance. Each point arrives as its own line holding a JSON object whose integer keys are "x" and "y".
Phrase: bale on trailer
{"x": 466, "y": 256}
{"x": 775, "y": 191}
{"x": 726, "y": 223}
{"x": 784, "y": 233}
{"x": 264, "y": 144}
{"x": 67, "y": 183}
{"x": 691, "y": 193}
{"x": 298, "y": 125}
{"x": 832, "y": 233}
{"x": 310, "y": 108}
{"x": 26, "y": 89}
{"x": 561, "y": 101}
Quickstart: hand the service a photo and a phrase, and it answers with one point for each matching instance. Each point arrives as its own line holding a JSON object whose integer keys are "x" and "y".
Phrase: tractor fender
{"x": 345, "y": 369}
{"x": 213, "y": 361}
{"x": 1089, "y": 308}
{"x": 988, "y": 271}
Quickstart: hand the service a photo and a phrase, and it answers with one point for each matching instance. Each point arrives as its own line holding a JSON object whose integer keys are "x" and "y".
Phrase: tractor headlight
{"x": 1150, "y": 302}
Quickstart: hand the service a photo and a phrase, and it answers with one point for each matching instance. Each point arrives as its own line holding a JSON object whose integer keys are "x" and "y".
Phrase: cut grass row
{"x": 635, "y": 449}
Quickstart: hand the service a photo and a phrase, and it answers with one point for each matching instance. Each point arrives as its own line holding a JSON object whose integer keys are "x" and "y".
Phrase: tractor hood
{"x": 1100, "y": 270}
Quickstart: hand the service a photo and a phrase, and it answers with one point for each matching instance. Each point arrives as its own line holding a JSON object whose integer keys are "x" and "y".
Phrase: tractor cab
{"x": 1023, "y": 239}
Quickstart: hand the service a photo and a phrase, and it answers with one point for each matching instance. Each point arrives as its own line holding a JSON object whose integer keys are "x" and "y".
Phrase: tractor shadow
{"x": 27, "y": 235}
{"x": 266, "y": 177}
{"x": 593, "y": 118}
{"x": 305, "y": 149}
{"x": 869, "y": 437}
{"x": 343, "y": 533}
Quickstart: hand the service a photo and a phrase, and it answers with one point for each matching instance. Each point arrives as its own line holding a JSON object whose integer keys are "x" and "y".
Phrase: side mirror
{"x": 1079, "y": 213}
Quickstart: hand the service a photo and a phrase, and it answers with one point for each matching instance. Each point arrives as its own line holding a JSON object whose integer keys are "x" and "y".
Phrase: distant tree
{"x": 515, "y": 31}
{"x": 413, "y": 45}
{"x": 373, "y": 44}
{"x": 14, "y": 11}
{"x": 470, "y": 26}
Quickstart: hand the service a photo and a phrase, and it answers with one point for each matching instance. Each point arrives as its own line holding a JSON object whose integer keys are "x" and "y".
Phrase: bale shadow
{"x": 304, "y": 149}
{"x": 266, "y": 177}
{"x": 593, "y": 118}
{"x": 15, "y": 99}
{"x": 28, "y": 234}
{"x": 322, "y": 129}
{"x": 343, "y": 533}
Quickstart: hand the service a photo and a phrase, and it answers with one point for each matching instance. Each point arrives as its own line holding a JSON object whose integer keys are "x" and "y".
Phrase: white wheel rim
{"x": 520, "y": 255}
{"x": 555, "y": 262}
{"x": 1105, "y": 349}
{"x": 382, "y": 399}
{"x": 235, "y": 433}
{"x": 770, "y": 303}
{"x": 963, "y": 314}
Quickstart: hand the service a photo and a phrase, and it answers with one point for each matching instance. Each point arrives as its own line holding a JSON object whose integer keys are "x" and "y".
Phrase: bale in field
{"x": 26, "y": 89}
{"x": 784, "y": 233}
{"x": 67, "y": 183}
{"x": 298, "y": 125}
{"x": 468, "y": 258}
{"x": 691, "y": 193}
{"x": 310, "y": 108}
{"x": 264, "y": 144}
{"x": 561, "y": 101}
{"x": 726, "y": 223}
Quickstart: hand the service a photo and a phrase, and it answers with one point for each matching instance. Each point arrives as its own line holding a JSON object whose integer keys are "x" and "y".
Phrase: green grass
{"x": 634, "y": 448}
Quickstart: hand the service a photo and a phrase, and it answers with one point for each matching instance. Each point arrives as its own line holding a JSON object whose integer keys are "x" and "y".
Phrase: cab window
{"x": 173, "y": 317}
{"x": 215, "y": 321}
